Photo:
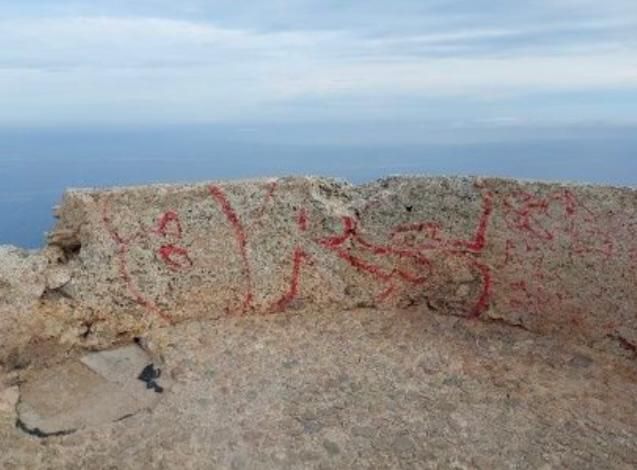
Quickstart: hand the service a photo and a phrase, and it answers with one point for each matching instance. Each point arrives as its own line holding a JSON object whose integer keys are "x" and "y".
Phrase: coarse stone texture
{"x": 308, "y": 323}
{"x": 100, "y": 387}
{"x": 361, "y": 389}
{"x": 553, "y": 259}
{"x": 22, "y": 284}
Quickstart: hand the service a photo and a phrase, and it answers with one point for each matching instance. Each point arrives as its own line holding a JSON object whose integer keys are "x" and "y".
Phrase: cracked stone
{"x": 99, "y": 388}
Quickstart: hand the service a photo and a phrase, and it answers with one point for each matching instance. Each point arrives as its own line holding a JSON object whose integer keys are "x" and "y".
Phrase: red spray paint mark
{"x": 480, "y": 238}
{"x": 302, "y": 220}
{"x": 350, "y": 233}
{"x": 240, "y": 235}
{"x": 376, "y": 249}
{"x": 487, "y": 285}
{"x": 462, "y": 248}
{"x": 522, "y": 212}
{"x": 122, "y": 257}
{"x": 175, "y": 257}
{"x": 549, "y": 227}
{"x": 169, "y": 225}
{"x": 432, "y": 231}
{"x": 364, "y": 266}
{"x": 298, "y": 258}
{"x": 406, "y": 234}
{"x": 574, "y": 221}
{"x": 508, "y": 252}
{"x": 349, "y": 229}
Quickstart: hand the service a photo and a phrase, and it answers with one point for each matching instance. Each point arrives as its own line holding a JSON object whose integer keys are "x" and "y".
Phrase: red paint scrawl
{"x": 123, "y": 246}
{"x": 169, "y": 225}
{"x": 416, "y": 253}
{"x": 175, "y": 257}
{"x": 298, "y": 258}
{"x": 240, "y": 236}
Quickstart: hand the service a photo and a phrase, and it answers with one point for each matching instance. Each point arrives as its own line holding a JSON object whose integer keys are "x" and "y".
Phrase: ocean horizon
{"x": 37, "y": 165}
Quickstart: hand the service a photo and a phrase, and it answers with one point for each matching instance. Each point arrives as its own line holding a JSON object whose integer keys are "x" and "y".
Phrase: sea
{"x": 37, "y": 164}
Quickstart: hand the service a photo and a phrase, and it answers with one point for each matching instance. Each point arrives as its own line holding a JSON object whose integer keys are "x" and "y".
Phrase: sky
{"x": 454, "y": 63}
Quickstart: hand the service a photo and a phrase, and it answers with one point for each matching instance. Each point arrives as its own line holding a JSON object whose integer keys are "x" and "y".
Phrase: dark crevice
{"x": 88, "y": 325}
{"x": 37, "y": 432}
{"x": 68, "y": 241}
{"x": 55, "y": 294}
{"x": 503, "y": 322}
{"x": 129, "y": 415}
{"x": 625, "y": 345}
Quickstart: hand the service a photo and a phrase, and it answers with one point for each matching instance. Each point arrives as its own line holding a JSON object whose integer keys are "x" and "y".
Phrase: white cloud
{"x": 114, "y": 68}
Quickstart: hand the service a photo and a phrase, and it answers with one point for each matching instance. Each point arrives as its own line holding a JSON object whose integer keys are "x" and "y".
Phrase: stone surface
{"x": 99, "y": 388}
{"x": 8, "y": 400}
{"x": 554, "y": 259}
{"x": 308, "y": 323}
{"x": 362, "y": 389}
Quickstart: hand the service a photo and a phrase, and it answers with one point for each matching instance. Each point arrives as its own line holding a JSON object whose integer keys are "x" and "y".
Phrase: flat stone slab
{"x": 99, "y": 388}
{"x": 352, "y": 389}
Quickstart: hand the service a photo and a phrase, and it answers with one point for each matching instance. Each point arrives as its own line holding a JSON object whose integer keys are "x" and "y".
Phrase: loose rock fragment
{"x": 101, "y": 387}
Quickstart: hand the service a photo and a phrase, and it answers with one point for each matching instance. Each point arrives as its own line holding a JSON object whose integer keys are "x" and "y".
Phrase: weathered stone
{"x": 331, "y": 447}
{"x": 544, "y": 265}
{"x": 520, "y": 403}
{"x": 8, "y": 400}
{"x": 554, "y": 259}
{"x": 101, "y": 387}
{"x": 22, "y": 277}
{"x": 57, "y": 277}
{"x": 22, "y": 283}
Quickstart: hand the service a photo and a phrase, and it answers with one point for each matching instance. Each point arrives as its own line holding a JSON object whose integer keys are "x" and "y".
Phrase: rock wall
{"x": 553, "y": 259}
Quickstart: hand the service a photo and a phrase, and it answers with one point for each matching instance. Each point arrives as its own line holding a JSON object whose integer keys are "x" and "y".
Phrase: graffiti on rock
{"x": 415, "y": 256}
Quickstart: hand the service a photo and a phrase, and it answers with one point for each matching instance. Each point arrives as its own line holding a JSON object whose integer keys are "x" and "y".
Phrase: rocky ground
{"x": 350, "y": 389}
{"x": 413, "y": 322}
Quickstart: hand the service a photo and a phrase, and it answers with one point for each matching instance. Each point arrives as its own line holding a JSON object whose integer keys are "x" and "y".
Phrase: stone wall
{"x": 553, "y": 259}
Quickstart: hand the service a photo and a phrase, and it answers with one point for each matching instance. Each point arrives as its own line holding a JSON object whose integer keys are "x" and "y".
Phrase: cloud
{"x": 172, "y": 67}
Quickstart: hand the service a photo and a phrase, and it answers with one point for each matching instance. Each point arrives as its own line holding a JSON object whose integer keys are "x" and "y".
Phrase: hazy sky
{"x": 459, "y": 62}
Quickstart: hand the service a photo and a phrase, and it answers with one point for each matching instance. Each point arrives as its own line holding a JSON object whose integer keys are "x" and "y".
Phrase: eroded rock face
{"x": 22, "y": 284}
{"x": 550, "y": 258}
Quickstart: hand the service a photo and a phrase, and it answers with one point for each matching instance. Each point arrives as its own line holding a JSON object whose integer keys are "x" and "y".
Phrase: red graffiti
{"x": 169, "y": 225}
{"x": 487, "y": 286}
{"x": 547, "y": 228}
{"x": 175, "y": 257}
{"x": 559, "y": 215}
{"x": 240, "y": 235}
{"x": 351, "y": 234}
{"x": 407, "y": 234}
{"x": 302, "y": 220}
{"x": 523, "y": 212}
{"x": 122, "y": 257}
{"x": 541, "y": 236}
{"x": 480, "y": 237}
{"x": 405, "y": 248}
{"x": 298, "y": 258}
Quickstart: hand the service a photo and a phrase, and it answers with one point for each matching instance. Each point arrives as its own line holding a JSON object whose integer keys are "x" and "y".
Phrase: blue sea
{"x": 36, "y": 165}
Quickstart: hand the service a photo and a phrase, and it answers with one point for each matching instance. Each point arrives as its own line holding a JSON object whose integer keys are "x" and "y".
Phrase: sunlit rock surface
{"x": 307, "y": 322}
